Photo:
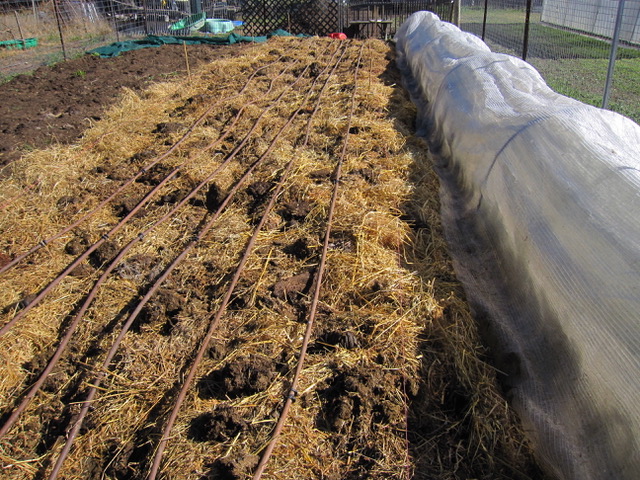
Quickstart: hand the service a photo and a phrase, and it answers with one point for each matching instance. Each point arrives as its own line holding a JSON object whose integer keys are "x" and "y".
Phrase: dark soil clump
{"x": 296, "y": 210}
{"x": 164, "y": 306}
{"x": 333, "y": 339}
{"x": 214, "y": 198}
{"x": 299, "y": 249}
{"x": 76, "y": 245}
{"x": 235, "y": 467}
{"x": 222, "y": 424}
{"x": 243, "y": 376}
{"x": 4, "y": 259}
{"x": 104, "y": 253}
{"x": 293, "y": 288}
{"x": 358, "y": 399}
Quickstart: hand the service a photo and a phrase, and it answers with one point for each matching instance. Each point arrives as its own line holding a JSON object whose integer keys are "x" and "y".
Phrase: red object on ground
{"x": 339, "y": 36}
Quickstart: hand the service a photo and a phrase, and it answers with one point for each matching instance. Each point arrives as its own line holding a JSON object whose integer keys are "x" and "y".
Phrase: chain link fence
{"x": 570, "y": 43}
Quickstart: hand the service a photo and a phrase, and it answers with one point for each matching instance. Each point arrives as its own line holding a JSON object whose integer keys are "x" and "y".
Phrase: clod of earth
{"x": 293, "y": 288}
{"x": 220, "y": 425}
{"x": 241, "y": 377}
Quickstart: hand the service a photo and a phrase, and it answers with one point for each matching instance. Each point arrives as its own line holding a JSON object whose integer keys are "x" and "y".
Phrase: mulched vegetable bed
{"x": 395, "y": 382}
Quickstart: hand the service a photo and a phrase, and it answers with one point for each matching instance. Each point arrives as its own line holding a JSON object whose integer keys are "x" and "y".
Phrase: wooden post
{"x": 24, "y": 43}
{"x": 186, "y": 59}
{"x": 456, "y": 13}
{"x": 370, "y": 64}
{"x": 59, "y": 21}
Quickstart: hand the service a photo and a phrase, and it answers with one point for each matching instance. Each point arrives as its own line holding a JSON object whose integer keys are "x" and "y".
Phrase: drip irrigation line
{"x": 122, "y": 222}
{"x": 107, "y": 361}
{"x": 128, "y": 182}
{"x": 155, "y": 466}
{"x": 91, "y": 296}
{"x": 70, "y": 330}
{"x": 212, "y": 327}
{"x": 94, "y": 387}
{"x": 316, "y": 293}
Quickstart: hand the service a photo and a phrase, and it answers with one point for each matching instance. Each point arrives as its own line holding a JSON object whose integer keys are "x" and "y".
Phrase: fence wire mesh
{"x": 314, "y": 17}
{"x": 569, "y": 42}
{"x": 30, "y": 31}
{"x": 41, "y": 32}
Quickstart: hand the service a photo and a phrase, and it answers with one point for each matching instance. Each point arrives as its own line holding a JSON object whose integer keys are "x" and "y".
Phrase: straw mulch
{"x": 396, "y": 383}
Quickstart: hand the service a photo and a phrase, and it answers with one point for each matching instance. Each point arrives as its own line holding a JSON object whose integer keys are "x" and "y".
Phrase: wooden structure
{"x": 313, "y": 17}
{"x": 380, "y": 18}
{"x": 367, "y": 18}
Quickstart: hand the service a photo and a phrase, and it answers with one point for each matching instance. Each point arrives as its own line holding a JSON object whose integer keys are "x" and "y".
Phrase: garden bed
{"x": 180, "y": 176}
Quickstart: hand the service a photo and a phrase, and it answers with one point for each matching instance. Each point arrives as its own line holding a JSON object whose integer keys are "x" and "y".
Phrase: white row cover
{"x": 541, "y": 205}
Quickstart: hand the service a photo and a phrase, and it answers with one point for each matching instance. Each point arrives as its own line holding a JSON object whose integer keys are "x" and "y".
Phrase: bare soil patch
{"x": 56, "y": 104}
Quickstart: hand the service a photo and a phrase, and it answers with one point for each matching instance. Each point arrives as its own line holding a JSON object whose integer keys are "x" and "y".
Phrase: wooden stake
{"x": 370, "y": 65}
{"x": 24, "y": 44}
{"x": 186, "y": 58}
{"x": 56, "y": 8}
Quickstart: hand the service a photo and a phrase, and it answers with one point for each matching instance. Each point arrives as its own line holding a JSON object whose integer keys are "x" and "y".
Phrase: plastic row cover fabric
{"x": 541, "y": 205}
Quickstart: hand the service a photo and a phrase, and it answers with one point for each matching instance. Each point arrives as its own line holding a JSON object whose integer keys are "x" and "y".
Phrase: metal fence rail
{"x": 395, "y": 12}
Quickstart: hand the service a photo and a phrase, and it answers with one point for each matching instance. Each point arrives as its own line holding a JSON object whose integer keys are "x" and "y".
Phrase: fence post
{"x": 525, "y": 41}
{"x": 484, "y": 18}
{"x": 145, "y": 12}
{"x": 115, "y": 21}
{"x": 56, "y": 9}
{"x": 456, "y": 13}
{"x": 24, "y": 44}
{"x": 612, "y": 54}
{"x": 195, "y": 6}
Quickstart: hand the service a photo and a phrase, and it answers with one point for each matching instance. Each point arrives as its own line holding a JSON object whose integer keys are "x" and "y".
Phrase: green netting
{"x": 117, "y": 48}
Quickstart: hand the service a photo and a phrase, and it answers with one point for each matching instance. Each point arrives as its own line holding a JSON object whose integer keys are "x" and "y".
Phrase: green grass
{"x": 507, "y": 15}
{"x": 571, "y": 63}
{"x": 584, "y": 80}
{"x": 548, "y": 42}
